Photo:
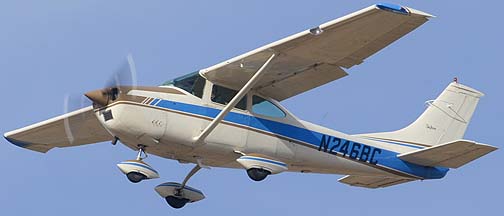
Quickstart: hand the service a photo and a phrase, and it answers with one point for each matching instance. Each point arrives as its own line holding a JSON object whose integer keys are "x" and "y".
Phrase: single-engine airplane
{"x": 229, "y": 115}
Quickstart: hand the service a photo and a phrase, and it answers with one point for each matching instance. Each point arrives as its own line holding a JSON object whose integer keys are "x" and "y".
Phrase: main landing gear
{"x": 178, "y": 195}
{"x": 137, "y": 170}
{"x": 260, "y": 166}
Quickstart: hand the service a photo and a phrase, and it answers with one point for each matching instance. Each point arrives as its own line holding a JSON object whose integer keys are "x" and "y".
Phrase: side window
{"x": 263, "y": 107}
{"x": 224, "y": 95}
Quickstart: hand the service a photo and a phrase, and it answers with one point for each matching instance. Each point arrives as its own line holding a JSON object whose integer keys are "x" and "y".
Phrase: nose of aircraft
{"x": 98, "y": 97}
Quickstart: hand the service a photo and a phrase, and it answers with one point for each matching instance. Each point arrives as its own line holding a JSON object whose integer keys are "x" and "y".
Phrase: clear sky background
{"x": 50, "y": 48}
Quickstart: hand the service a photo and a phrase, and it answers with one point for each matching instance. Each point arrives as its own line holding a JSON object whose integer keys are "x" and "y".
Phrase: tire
{"x": 135, "y": 177}
{"x": 257, "y": 174}
{"x": 176, "y": 202}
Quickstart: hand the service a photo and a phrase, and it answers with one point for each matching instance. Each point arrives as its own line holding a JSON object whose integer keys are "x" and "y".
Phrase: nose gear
{"x": 137, "y": 170}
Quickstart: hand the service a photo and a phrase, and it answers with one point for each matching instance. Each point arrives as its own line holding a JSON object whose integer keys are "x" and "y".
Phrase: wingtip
{"x": 420, "y": 13}
{"x": 491, "y": 148}
{"x": 26, "y": 145}
{"x": 16, "y": 142}
{"x": 7, "y": 134}
{"x": 6, "y": 137}
{"x": 402, "y": 10}
{"x": 393, "y": 8}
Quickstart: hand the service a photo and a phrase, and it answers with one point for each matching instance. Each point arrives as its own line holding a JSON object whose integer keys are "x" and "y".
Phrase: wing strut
{"x": 199, "y": 140}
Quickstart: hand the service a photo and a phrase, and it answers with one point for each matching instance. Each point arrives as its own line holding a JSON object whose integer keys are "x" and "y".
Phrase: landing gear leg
{"x": 136, "y": 176}
{"x": 141, "y": 152}
{"x": 178, "y": 200}
{"x": 190, "y": 174}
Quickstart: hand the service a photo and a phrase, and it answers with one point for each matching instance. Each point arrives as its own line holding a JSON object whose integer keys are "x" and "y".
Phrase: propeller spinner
{"x": 125, "y": 76}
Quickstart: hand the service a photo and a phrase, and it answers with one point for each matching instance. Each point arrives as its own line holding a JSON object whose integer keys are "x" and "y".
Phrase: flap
{"x": 372, "y": 181}
{"x": 72, "y": 129}
{"x": 314, "y": 57}
{"x": 453, "y": 154}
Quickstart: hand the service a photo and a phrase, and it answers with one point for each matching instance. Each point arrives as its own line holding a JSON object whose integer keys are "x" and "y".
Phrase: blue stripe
{"x": 386, "y": 158}
{"x": 264, "y": 160}
{"x": 396, "y": 143}
{"x": 393, "y": 8}
{"x": 140, "y": 165}
{"x": 154, "y": 101}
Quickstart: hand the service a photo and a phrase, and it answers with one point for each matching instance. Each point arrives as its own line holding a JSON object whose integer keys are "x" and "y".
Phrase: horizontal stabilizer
{"x": 453, "y": 154}
{"x": 79, "y": 127}
{"x": 372, "y": 181}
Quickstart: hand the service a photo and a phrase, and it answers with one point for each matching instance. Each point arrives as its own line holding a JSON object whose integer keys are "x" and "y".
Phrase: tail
{"x": 445, "y": 119}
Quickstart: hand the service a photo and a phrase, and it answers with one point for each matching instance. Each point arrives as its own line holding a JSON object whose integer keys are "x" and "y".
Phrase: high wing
{"x": 316, "y": 56}
{"x": 372, "y": 181}
{"x": 72, "y": 129}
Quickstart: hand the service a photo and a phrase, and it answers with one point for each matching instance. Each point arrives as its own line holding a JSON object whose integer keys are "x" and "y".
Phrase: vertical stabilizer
{"x": 445, "y": 119}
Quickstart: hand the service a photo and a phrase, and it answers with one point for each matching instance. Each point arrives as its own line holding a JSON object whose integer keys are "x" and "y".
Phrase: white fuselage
{"x": 168, "y": 123}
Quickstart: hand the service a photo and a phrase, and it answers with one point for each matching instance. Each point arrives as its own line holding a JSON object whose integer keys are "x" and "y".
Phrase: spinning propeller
{"x": 124, "y": 76}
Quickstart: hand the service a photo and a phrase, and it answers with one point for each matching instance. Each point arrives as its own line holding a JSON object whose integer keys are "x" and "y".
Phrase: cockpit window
{"x": 263, "y": 107}
{"x": 224, "y": 95}
{"x": 192, "y": 83}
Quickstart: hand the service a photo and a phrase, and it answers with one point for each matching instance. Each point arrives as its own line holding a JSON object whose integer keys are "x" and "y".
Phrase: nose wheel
{"x": 137, "y": 170}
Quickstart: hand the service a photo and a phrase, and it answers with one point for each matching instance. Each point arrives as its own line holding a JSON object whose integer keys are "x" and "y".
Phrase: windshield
{"x": 192, "y": 83}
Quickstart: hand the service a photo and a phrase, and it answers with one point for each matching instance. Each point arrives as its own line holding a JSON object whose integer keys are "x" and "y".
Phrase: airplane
{"x": 230, "y": 115}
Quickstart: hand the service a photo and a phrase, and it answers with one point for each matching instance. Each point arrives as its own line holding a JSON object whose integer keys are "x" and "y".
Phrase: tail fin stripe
{"x": 396, "y": 142}
{"x": 460, "y": 118}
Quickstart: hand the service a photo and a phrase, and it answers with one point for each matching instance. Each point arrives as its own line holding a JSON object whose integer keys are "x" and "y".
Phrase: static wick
{"x": 455, "y": 79}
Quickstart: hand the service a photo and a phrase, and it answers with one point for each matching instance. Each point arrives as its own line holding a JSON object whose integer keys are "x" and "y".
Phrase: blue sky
{"x": 51, "y": 48}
